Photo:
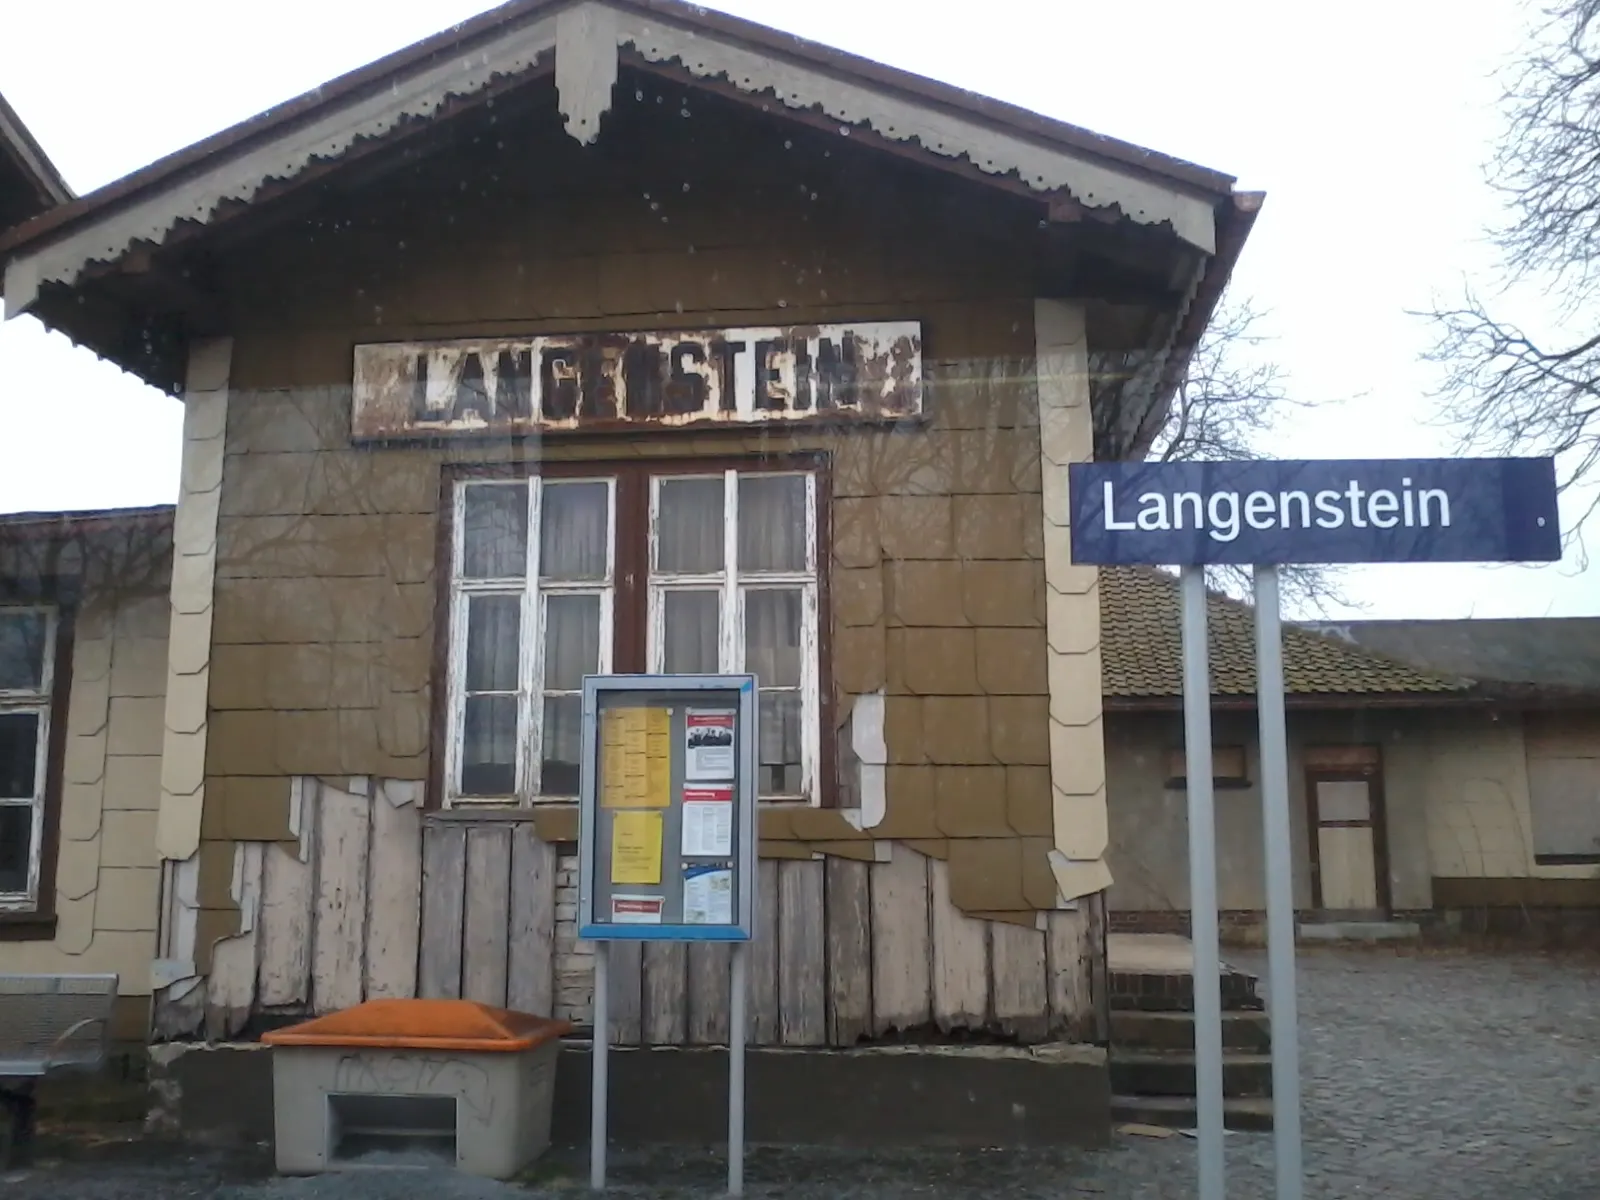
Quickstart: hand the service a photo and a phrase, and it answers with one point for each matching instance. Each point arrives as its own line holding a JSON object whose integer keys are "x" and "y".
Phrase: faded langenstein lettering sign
{"x": 869, "y": 371}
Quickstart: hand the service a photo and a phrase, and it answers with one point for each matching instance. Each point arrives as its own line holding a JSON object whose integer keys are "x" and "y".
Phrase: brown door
{"x": 1349, "y": 868}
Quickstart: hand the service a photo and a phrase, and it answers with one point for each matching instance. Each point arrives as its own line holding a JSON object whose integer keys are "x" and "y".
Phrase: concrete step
{"x": 1178, "y": 1112}
{"x": 1250, "y": 1032}
{"x": 1171, "y": 1073}
{"x": 1362, "y": 932}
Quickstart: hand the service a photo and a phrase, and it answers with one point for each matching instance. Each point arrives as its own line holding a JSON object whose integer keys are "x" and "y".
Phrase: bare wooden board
{"x": 764, "y": 958}
{"x": 444, "y": 869}
{"x": 395, "y": 900}
{"x": 709, "y": 963}
{"x": 625, "y": 979}
{"x": 485, "y": 949}
{"x": 339, "y": 934}
{"x": 666, "y": 1008}
{"x": 1017, "y": 968}
{"x": 849, "y": 952}
{"x": 531, "y": 974}
{"x": 960, "y": 958}
{"x": 901, "y": 952}
{"x": 231, "y": 988}
{"x": 287, "y": 895}
{"x": 802, "y": 1004}
{"x": 1069, "y": 972}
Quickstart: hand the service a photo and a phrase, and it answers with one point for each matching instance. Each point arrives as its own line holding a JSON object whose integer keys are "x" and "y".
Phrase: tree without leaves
{"x": 1232, "y": 395}
{"x": 1507, "y": 390}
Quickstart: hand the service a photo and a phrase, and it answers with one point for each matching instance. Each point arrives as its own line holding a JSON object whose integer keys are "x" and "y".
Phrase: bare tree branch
{"x": 1504, "y": 390}
{"x": 1232, "y": 395}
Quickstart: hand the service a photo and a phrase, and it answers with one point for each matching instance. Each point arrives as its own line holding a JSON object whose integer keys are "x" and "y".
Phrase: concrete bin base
{"x": 362, "y": 1090}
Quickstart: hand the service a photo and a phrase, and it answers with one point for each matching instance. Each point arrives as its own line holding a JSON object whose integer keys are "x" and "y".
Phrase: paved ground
{"x": 1450, "y": 1077}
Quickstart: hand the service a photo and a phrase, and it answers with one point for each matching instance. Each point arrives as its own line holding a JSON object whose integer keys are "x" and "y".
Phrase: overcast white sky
{"x": 1366, "y": 123}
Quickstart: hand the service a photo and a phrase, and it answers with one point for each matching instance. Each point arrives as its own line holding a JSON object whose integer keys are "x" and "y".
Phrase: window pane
{"x": 16, "y": 831}
{"x": 779, "y": 767}
{"x": 558, "y": 773}
{"x": 772, "y": 636}
{"x": 492, "y": 643}
{"x": 1343, "y": 800}
{"x": 494, "y": 532}
{"x": 22, "y": 637}
{"x": 689, "y": 527}
{"x": 690, "y": 636}
{"x": 571, "y": 641}
{"x": 489, "y": 746}
{"x": 772, "y": 523}
{"x": 574, "y": 520}
{"x": 19, "y": 744}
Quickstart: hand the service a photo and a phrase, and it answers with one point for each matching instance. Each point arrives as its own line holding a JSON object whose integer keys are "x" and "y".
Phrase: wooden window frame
{"x": 630, "y": 607}
{"x": 1177, "y": 768}
{"x": 32, "y": 917}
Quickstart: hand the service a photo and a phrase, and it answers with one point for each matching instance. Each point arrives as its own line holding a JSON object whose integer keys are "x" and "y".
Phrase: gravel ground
{"x": 1444, "y": 1076}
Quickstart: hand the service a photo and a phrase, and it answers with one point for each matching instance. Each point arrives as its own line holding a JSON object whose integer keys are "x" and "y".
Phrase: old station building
{"x": 622, "y": 336}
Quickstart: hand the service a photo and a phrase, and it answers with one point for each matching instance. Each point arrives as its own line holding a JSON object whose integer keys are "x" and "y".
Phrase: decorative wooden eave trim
{"x": 582, "y": 42}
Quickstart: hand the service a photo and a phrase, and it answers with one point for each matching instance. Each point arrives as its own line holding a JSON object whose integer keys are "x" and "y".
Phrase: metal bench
{"x": 47, "y": 1023}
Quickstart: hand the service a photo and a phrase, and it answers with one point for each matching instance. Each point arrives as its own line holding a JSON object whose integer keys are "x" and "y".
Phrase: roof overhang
{"x": 583, "y": 42}
{"x": 29, "y": 181}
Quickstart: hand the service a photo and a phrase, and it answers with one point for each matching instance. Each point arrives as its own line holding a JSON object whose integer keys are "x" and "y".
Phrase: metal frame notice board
{"x": 667, "y": 843}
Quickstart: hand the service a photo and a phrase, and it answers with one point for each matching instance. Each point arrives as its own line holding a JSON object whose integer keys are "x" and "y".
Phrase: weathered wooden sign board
{"x": 519, "y": 386}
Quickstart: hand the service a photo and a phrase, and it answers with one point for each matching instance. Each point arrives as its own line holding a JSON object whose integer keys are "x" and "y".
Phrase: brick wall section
{"x": 325, "y": 585}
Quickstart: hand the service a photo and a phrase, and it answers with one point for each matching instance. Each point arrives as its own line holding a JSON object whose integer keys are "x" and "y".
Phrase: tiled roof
{"x": 1142, "y": 657}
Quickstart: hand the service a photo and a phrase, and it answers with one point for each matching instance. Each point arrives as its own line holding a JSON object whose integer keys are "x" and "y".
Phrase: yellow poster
{"x": 636, "y": 758}
{"x": 636, "y": 847}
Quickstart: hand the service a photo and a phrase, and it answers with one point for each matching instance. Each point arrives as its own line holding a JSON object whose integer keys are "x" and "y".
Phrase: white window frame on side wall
{"x": 39, "y": 702}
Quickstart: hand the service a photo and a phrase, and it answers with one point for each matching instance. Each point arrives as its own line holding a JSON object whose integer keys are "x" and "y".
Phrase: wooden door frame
{"x": 1372, "y": 776}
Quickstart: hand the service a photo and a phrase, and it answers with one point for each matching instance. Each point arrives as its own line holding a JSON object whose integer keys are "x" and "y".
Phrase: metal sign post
{"x": 1203, "y": 884}
{"x": 666, "y": 847}
{"x": 1286, "y": 1150}
{"x": 1263, "y": 515}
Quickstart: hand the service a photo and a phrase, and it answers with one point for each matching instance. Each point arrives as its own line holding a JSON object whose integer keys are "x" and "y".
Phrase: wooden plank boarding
{"x": 666, "y": 993}
{"x": 625, "y": 975}
{"x": 283, "y": 978}
{"x": 531, "y": 969}
{"x": 339, "y": 934}
{"x": 901, "y": 983}
{"x": 444, "y": 867}
{"x": 763, "y": 958}
{"x": 1068, "y": 971}
{"x": 802, "y": 1007}
{"x": 709, "y": 966}
{"x": 1017, "y": 965}
{"x": 231, "y": 988}
{"x": 487, "y": 921}
{"x": 395, "y": 888}
{"x": 849, "y": 953}
{"x": 960, "y": 958}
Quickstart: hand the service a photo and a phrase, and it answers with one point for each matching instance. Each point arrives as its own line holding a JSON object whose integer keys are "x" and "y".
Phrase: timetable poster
{"x": 636, "y": 758}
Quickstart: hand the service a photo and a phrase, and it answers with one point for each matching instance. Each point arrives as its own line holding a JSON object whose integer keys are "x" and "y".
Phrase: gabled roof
{"x": 1561, "y": 652}
{"x": 29, "y": 181}
{"x": 582, "y": 45}
{"x": 1141, "y": 653}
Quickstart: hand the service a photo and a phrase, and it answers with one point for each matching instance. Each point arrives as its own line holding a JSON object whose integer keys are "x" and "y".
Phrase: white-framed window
{"x": 27, "y": 660}
{"x": 727, "y": 580}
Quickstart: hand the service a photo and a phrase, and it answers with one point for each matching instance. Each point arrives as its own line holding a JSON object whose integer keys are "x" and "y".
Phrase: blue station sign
{"x": 1270, "y": 513}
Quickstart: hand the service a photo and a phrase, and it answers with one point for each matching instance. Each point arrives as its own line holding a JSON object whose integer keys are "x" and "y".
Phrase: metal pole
{"x": 1203, "y": 884}
{"x": 1280, "y": 887}
{"x": 736, "y": 1034}
{"x": 597, "y": 1084}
